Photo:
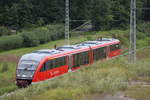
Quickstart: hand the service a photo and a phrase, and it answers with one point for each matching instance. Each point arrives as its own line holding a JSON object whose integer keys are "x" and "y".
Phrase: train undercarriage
{"x": 23, "y": 83}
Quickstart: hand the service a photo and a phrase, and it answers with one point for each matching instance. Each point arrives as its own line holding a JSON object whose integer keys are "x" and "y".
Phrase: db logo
{"x": 55, "y": 72}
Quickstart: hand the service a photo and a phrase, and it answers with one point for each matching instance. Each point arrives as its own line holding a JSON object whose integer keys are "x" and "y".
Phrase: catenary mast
{"x": 67, "y": 22}
{"x": 132, "y": 49}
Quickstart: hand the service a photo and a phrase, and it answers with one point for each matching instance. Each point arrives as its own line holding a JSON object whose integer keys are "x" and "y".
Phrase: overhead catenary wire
{"x": 143, "y": 8}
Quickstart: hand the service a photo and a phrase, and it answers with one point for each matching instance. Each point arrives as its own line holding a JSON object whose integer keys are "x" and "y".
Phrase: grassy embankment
{"x": 9, "y": 59}
{"x": 102, "y": 77}
{"x": 105, "y": 75}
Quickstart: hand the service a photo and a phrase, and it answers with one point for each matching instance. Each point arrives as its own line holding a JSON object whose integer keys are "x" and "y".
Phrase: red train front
{"x": 45, "y": 64}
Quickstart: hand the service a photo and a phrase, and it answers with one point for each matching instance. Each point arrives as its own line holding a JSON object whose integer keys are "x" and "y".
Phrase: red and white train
{"x": 45, "y": 64}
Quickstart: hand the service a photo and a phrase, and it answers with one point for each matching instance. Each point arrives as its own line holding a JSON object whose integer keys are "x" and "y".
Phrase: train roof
{"x": 67, "y": 48}
{"x": 47, "y": 51}
{"x": 40, "y": 54}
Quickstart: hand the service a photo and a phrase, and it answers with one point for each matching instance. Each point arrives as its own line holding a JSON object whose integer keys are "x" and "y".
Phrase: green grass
{"x": 19, "y": 52}
{"x": 138, "y": 92}
{"x": 98, "y": 78}
{"x": 101, "y": 77}
{"x": 7, "y": 80}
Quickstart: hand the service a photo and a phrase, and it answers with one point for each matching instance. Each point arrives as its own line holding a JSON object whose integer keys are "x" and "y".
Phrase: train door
{"x": 107, "y": 52}
{"x": 70, "y": 63}
{"x": 80, "y": 59}
{"x": 100, "y": 53}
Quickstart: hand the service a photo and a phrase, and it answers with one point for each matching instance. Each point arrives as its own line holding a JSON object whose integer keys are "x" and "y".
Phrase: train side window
{"x": 63, "y": 61}
{"x": 81, "y": 59}
{"x": 56, "y": 63}
{"x": 43, "y": 68}
{"x": 51, "y": 64}
{"x": 60, "y": 62}
{"x": 99, "y": 53}
{"x": 46, "y": 66}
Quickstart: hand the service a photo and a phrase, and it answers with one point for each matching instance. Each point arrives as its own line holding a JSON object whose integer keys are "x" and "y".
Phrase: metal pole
{"x": 67, "y": 23}
{"x": 134, "y": 15}
{"x": 132, "y": 49}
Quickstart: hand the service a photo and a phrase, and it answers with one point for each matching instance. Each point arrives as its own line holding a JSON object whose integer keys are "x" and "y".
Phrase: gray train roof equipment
{"x": 40, "y": 54}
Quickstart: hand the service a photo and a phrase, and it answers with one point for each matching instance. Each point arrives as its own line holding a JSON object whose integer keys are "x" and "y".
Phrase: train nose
{"x": 23, "y": 83}
{"x": 24, "y": 77}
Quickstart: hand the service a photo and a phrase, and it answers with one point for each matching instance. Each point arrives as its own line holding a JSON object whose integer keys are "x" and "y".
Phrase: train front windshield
{"x": 26, "y": 69}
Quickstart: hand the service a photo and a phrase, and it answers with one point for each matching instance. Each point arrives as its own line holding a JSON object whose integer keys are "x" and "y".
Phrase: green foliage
{"x": 140, "y": 69}
{"x": 56, "y": 31}
{"x": 10, "y": 42}
{"x": 42, "y": 35}
{"x": 105, "y": 14}
{"x": 146, "y": 13}
{"x": 144, "y": 28}
{"x": 7, "y": 89}
{"x": 101, "y": 15}
{"x": 17, "y": 15}
{"x": 7, "y": 83}
{"x": 89, "y": 38}
{"x": 143, "y": 42}
{"x": 97, "y": 78}
{"x": 138, "y": 92}
{"x": 4, "y": 67}
{"x": 4, "y": 31}
{"x": 30, "y": 39}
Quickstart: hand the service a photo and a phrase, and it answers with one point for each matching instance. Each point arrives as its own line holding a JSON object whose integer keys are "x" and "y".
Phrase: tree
{"x": 101, "y": 16}
{"x": 146, "y": 13}
{"x": 105, "y": 14}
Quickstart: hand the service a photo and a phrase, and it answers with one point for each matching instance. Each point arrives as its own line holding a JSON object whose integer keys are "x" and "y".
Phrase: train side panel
{"x": 78, "y": 59}
{"x": 114, "y": 50}
{"x": 40, "y": 76}
{"x": 51, "y": 68}
{"x": 114, "y": 53}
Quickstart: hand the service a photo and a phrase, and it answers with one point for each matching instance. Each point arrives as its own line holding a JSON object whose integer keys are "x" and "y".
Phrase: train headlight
{"x": 30, "y": 75}
{"x": 18, "y": 75}
{"x": 24, "y": 75}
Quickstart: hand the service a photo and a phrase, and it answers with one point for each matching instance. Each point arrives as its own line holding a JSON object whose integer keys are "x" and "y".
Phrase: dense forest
{"x": 105, "y": 14}
{"x": 45, "y": 19}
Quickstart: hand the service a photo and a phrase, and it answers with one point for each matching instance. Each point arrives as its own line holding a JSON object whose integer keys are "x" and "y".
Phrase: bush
{"x": 4, "y": 67}
{"x": 10, "y": 42}
{"x": 89, "y": 38}
{"x": 42, "y": 35}
{"x": 143, "y": 42}
{"x": 56, "y": 31}
{"x": 30, "y": 39}
{"x": 4, "y": 31}
{"x": 144, "y": 28}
